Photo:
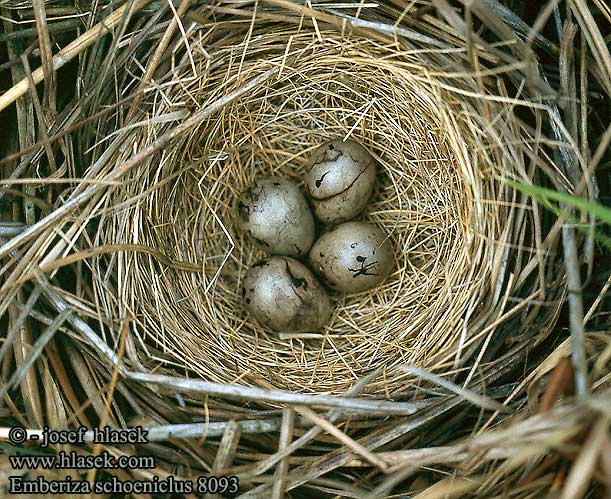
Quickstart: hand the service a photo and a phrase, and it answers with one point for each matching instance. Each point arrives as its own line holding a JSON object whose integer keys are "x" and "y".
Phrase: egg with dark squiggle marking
{"x": 276, "y": 216}
{"x": 340, "y": 181}
{"x": 353, "y": 257}
{"x": 283, "y": 295}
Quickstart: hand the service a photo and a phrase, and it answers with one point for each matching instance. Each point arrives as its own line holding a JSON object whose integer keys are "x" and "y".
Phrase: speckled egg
{"x": 340, "y": 181}
{"x": 353, "y": 257}
{"x": 276, "y": 216}
{"x": 284, "y": 296}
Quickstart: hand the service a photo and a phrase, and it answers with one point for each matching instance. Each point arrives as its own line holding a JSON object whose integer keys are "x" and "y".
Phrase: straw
{"x": 479, "y": 368}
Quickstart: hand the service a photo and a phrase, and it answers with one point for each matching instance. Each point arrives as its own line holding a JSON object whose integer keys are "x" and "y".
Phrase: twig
{"x": 312, "y": 433}
{"x": 471, "y": 396}
{"x": 390, "y": 29}
{"x": 286, "y": 397}
{"x": 352, "y": 444}
{"x": 303, "y": 474}
{"x": 194, "y": 430}
{"x": 576, "y": 314}
{"x": 286, "y": 435}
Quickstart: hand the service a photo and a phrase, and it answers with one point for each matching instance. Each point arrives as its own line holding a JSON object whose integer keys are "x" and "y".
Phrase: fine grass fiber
{"x": 479, "y": 368}
{"x": 465, "y": 242}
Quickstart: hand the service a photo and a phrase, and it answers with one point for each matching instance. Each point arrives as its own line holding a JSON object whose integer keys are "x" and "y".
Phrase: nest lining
{"x": 440, "y": 197}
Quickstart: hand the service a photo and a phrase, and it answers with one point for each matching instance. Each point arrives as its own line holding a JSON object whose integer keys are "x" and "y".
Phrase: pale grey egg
{"x": 353, "y": 257}
{"x": 283, "y": 295}
{"x": 276, "y": 216}
{"x": 340, "y": 181}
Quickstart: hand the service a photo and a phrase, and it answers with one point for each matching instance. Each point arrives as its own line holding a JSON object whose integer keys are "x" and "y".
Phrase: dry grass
{"x": 440, "y": 198}
{"x": 449, "y": 379}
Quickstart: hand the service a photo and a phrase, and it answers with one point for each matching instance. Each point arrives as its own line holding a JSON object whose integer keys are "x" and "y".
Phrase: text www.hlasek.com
{"x": 72, "y": 460}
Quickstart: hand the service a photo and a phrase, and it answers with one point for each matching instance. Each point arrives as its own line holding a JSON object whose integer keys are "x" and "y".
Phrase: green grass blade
{"x": 598, "y": 210}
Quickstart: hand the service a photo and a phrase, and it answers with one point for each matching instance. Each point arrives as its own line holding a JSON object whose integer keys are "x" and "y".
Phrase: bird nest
{"x": 469, "y": 267}
{"x": 122, "y": 262}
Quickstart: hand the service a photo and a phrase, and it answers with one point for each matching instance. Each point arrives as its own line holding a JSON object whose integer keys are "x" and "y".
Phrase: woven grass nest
{"x": 446, "y": 380}
{"x": 462, "y": 238}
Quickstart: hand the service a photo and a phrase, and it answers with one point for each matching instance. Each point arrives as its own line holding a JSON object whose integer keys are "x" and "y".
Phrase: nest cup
{"x": 465, "y": 242}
